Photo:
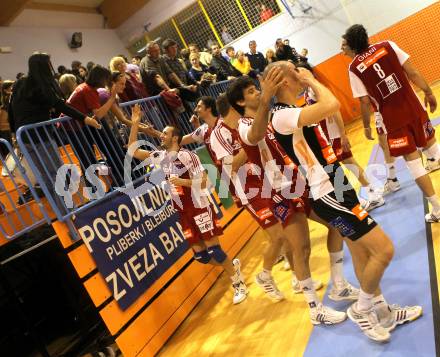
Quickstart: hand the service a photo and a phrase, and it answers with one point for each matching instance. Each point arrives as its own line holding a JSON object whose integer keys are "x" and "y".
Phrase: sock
{"x": 391, "y": 171}
{"x": 337, "y": 268}
{"x": 266, "y": 274}
{"x": 365, "y": 301}
{"x": 235, "y": 278}
{"x": 309, "y": 292}
{"x": 433, "y": 200}
{"x": 381, "y": 307}
{"x": 433, "y": 152}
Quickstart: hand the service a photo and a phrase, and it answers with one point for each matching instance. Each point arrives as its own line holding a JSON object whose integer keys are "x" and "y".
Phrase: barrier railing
{"x": 76, "y": 165}
{"x": 21, "y": 209}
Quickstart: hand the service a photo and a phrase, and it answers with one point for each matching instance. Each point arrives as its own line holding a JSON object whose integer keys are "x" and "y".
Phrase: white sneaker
{"x": 400, "y": 315}
{"x": 346, "y": 292}
{"x": 369, "y": 205}
{"x": 432, "y": 217}
{"x": 392, "y": 185}
{"x": 432, "y": 165}
{"x": 297, "y": 288}
{"x": 270, "y": 288}
{"x": 240, "y": 292}
{"x": 326, "y": 315}
{"x": 369, "y": 324}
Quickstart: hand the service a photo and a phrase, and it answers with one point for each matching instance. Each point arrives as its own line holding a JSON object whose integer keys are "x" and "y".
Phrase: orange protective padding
{"x": 417, "y": 35}
{"x": 82, "y": 260}
{"x": 63, "y": 233}
{"x": 136, "y": 332}
{"x": 97, "y": 289}
{"x": 115, "y": 318}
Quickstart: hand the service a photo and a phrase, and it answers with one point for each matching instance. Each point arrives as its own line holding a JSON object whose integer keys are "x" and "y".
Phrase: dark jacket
{"x": 224, "y": 68}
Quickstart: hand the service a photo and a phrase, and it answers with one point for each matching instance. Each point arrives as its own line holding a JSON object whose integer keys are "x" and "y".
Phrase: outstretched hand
{"x": 136, "y": 114}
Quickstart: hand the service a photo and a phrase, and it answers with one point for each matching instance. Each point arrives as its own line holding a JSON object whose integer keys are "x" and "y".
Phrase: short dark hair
{"x": 168, "y": 43}
{"x": 357, "y": 38}
{"x": 235, "y": 92}
{"x": 223, "y": 105}
{"x": 138, "y": 57}
{"x": 176, "y": 132}
{"x": 229, "y": 48}
{"x": 98, "y": 76}
{"x": 76, "y": 64}
{"x": 62, "y": 69}
{"x": 252, "y": 41}
{"x": 209, "y": 102}
{"x": 116, "y": 75}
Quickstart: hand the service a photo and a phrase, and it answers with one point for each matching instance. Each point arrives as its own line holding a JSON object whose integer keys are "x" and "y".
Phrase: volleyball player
{"x": 381, "y": 73}
{"x": 335, "y": 202}
{"x": 187, "y": 181}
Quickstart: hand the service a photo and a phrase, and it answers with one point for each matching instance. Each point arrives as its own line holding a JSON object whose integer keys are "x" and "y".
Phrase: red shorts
{"x": 276, "y": 209}
{"x": 337, "y": 148}
{"x": 199, "y": 224}
{"x": 408, "y": 138}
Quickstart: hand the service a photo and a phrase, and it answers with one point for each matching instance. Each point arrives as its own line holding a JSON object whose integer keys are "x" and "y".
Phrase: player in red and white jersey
{"x": 381, "y": 73}
{"x": 259, "y": 142}
{"x": 207, "y": 111}
{"x": 187, "y": 185}
{"x": 371, "y": 249}
{"x": 333, "y": 127}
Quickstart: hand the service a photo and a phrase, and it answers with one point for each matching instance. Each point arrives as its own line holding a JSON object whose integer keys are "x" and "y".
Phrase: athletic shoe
{"x": 346, "y": 292}
{"x": 368, "y": 323}
{"x": 432, "y": 165}
{"x": 369, "y": 205}
{"x": 400, "y": 315}
{"x": 240, "y": 292}
{"x": 269, "y": 287}
{"x": 326, "y": 315}
{"x": 432, "y": 217}
{"x": 297, "y": 288}
{"x": 392, "y": 185}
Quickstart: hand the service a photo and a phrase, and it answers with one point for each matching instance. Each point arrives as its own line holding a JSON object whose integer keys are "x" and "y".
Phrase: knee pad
{"x": 416, "y": 168}
{"x": 202, "y": 257}
{"x": 216, "y": 252}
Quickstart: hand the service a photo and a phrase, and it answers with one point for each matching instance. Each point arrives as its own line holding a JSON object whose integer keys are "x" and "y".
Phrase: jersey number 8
{"x": 379, "y": 70}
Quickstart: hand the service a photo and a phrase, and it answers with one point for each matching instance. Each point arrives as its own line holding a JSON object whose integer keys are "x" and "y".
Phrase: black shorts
{"x": 346, "y": 215}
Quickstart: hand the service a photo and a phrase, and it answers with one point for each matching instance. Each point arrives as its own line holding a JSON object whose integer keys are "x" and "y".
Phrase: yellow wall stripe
{"x": 178, "y": 31}
{"x": 244, "y": 14}
{"x": 210, "y": 24}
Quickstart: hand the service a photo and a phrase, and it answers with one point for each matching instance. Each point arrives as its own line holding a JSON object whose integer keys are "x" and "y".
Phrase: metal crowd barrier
{"x": 64, "y": 143}
{"x": 21, "y": 209}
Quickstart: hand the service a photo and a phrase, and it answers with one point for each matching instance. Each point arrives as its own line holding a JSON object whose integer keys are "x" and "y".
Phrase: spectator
{"x": 124, "y": 57}
{"x": 224, "y": 69}
{"x": 67, "y": 84}
{"x": 5, "y": 129}
{"x": 170, "y": 48}
{"x": 205, "y": 57}
{"x": 61, "y": 70}
{"x": 133, "y": 88}
{"x": 242, "y": 63}
{"x": 230, "y": 52}
{"x": 286, "y": 42}
{"x": 265, "y": 13}
{"x": 134, "y": 70}
{"x": 136, "y": 60}
{"x": 284, "y": 52}
{"x": 226, "y": 37}
{"x": 19, "y": 75}
{"x": 33, "y": 97}
{"x": 303, "y": 55}
{"x": 256, "y": 59}
{"x": 270, "y": 56}
{"x": 184, "y": 53}
{"x": 199, "y": 72}
{"x": 90, "y": 65}
{"x": 83, "y": 72}
{"x": 75, "y": 70}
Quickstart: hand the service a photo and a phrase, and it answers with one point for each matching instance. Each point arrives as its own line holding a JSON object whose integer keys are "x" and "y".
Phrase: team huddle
{"x": 282, "y": 163}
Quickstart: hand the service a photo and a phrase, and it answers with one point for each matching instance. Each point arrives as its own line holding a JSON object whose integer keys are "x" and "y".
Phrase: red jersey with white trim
{"x": 183, "y": 164}
{"x": 378, "y": 73}
{"x": 202, "y": 135}
{"x": 225, "y": 142}
{"x": 268, "y": 155}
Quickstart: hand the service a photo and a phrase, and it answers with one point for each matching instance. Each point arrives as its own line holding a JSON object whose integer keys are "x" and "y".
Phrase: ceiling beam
{"x": 9, "y": 10}
{"x": 61, "y": 7}
{"x": 117, "y": 11}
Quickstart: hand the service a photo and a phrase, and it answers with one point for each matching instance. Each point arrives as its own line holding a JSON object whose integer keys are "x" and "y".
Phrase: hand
{"x": 230, "y": 78}
{"x": 92, "y": 122}
{"x": 148, "y": 130}
{"x": 430, "y": 99}
{"x": 367, "y": 133}
{"x": 345, "y": 143}
{"x": 192, "y": 88}
{"x": 304, "y": 76}
{"x": 136, "y": 114}
{"x": 271, "y": 83}
{"x": 195, "y": 121}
